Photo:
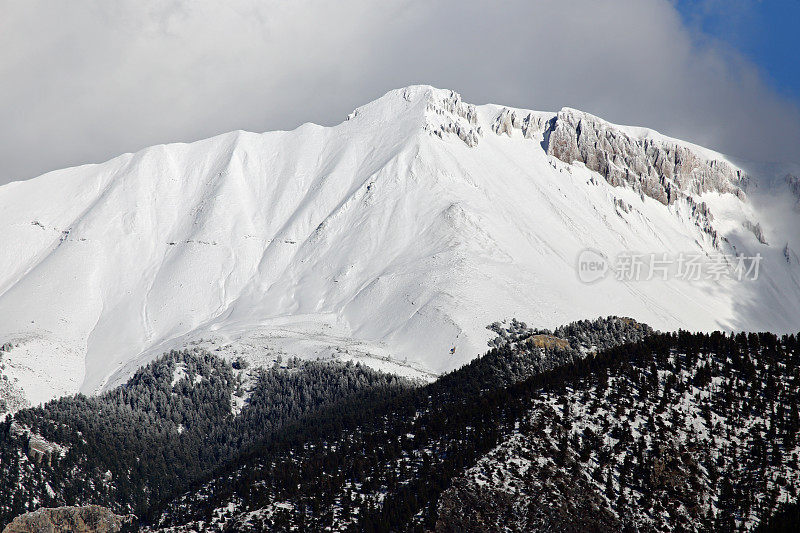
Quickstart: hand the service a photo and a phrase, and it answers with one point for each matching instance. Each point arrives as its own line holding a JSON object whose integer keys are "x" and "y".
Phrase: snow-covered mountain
{"x": 394, "y": 237}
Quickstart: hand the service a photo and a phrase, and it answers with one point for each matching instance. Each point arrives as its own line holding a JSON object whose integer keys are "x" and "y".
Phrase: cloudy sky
{"x": 85, "y": 80}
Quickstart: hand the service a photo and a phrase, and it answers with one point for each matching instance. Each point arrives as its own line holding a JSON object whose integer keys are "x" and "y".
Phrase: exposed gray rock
{"x": 455, "y": 117}
{"x": 622, "y": 205}
{"x": 468, "y": 135}
{"x": 700, "y": 213}
{"x": 12, "y": 397}
{"x": 88, "y": 519}
{"x": 756, "y": 230}
{"x": 454, "y": 105}
{"x": 508, "y": 121}
{"x": 505, "y": 122}
{"x": 789, "y": 254}
{"x": 661, "y": 170}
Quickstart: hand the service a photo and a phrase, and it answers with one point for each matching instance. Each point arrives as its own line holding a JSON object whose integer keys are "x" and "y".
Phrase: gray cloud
{"x": 86, "y": 80}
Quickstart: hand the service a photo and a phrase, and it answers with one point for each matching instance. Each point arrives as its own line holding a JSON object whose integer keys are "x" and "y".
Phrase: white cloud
{"x": 85, "y": 80}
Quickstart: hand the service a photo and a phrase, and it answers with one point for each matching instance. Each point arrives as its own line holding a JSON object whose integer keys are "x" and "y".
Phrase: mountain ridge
{"x": 392, "y": 238}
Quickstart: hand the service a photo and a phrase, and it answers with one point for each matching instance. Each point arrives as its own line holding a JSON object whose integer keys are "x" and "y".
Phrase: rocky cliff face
{"x": 529, "y": 124}
{"x": 663, "y": 171}
{"x": 88, "y": 519}
{"x": 12, "y": 398}
{"x": 449, "y": 114}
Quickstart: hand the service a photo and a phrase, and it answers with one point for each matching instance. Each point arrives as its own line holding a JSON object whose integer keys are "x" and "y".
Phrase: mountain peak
{"x": 393, "y": 238}
{"x": 437, "y": 111}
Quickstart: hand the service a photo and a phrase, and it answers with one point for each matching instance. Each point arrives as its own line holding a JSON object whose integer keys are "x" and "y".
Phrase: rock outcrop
{"x": 666, "y": 170}
{"x": 789, "y": 254}
{"x": 661, "y": 170}
{"x": 88, "y": 519}
{"x": 530, "y": 124}
{"x": 756, "y": 230}
{"x": 12, "y": 397}
{"x": 451, "y": 115}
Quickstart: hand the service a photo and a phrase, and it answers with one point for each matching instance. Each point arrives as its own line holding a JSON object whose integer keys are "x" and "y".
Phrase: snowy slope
{"x": 393, "y": 237}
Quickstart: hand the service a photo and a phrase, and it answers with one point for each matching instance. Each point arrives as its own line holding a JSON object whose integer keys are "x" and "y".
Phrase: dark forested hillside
{"x": 681, "y": 432}
{"x": 671, "y": 432}
{"x": 596, "y": 426}
{"x": 172, "y": 422}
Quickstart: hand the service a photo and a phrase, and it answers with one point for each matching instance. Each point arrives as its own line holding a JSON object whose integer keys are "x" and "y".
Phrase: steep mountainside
{"x": 187, "y": 415}
{"x": 391, "y": 238}
{"x": 175, "y": 420}
{"x": 671, "y": 432}
{"x": 687, "y": 433}
{"x": 600, "y": 425}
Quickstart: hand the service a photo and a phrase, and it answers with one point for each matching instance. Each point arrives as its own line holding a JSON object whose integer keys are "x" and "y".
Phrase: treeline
{"x": 171, "y": 423}
{"x": 656, "y": 431}
{"x": 383, "y": 444}
{"x": 386, "y": 465}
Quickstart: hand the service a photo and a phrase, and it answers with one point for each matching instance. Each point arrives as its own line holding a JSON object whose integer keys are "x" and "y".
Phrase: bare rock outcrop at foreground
{"x": 88, "y": 519}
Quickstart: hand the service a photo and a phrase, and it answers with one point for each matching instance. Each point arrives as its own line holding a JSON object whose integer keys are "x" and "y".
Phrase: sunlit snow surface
{"x": 375, "y": 240}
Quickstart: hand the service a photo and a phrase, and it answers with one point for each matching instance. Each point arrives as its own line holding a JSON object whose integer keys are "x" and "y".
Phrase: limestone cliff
{"x": 659, "y": 169}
